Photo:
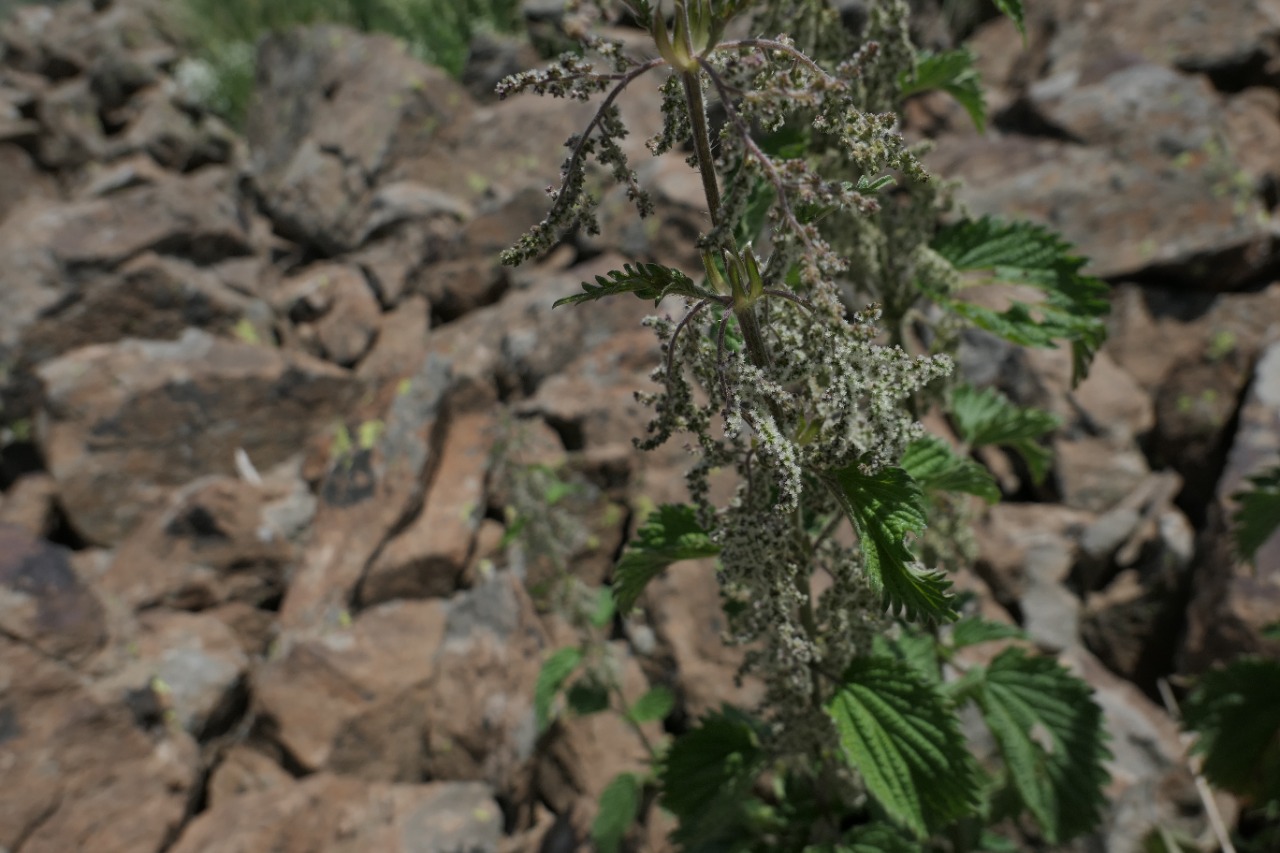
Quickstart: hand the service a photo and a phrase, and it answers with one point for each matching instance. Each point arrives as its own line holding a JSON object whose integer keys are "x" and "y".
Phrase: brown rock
{"x": 1253, "y": 135}
{"x": 401, "y": 344}
{"x": 344, "y": 815}
{"x": 335, "y": 111}
{"x": 429, "y": 556}
{"x": 215, "y": 541}
{"x": 22, "y": 179}
{"x": 1233, "y": 603}
{"x": 688, "y": 625}
{"x": 479, "y": 709}
{"x": 71, "y": 134}
{"x": 353, "y": 699}
{"x": 373, "y": 482}
{"x": 30, "y": 504}
{"x": 244, "y": 770}
{"x": 79, "y": 774}
{"x": 193, "y": 663}
{"x": 1177, "y": 216}
{"x": 124, "y": 423}
{"x": 337, "y": 310}
{"x": 43, "y": 603}
{"x": 1095, "y": 474}
{"x": 1026, "y": 552}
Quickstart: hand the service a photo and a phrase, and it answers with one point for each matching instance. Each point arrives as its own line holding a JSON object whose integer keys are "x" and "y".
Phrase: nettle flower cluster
{"x": 765, "y": 369}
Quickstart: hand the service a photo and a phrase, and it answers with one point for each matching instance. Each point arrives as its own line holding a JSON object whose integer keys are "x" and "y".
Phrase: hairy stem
{"x": 702, "y": 142}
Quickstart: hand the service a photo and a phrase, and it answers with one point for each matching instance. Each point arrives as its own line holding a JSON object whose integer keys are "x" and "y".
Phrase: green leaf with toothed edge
{"x": 931, "y": 463}
{"x": 953, "y": 72}
{"x": 904, "y": 738}
{"x": 647, "y": 281}
{"x": 1051, "y": 736}
{"x": 670, "y": 534}
{"x": 885, "y": 507}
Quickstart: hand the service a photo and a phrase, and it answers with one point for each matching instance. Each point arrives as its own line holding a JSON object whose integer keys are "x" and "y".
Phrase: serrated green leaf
{"x": 884, "y": 507}
{"x": 931, "y": 463}
{"x": 972, "y": 630}
{"x": 903, "y": 737}
{"x": 1258, "y": 515}
{"x": 587, "y": 696}
{"x": 603, "y": 610}
{"x": 985, "y": 417}
{"x": 555, "y": 670}
{"x": 670, "y": 534}
{"x": 1024, "y": 253}
{"x": 711, "y": 766}
{"x": 869, "y": 838}
{"x": 647, "y": 281}
{"x": 619, "y": 803}
{"x": 1235, "y": 711}
{"x": 655, "y": 704}
{"x": 1012, "y": 9}
{"x": 916, "y": 648}
{"x": 1051, "y": 737}
{"x": 953, "y": 72}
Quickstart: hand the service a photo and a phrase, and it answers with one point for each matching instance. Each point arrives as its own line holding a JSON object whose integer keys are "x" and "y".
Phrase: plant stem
{"x": 702, "y": 142}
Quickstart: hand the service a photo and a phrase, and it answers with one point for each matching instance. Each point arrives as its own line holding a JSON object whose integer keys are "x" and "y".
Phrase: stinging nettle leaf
{"x": 1025, "y": 253}
{"x": 670, "y": 534}
{"x": 986, "y": 417}
{"x": 715, "y": 762}
{"x": 587, "y": 696}
{"x": 884, "y": 507}
{"x": 1012, "y": 9}
{"x": 555, "y": 670}
{"x": 1234, "y": 712}
{"x": 655, "y": 704}
{"x": 931, "y": 463}
{"x": 953, "y": 72}
{"x": 972, "y": 630}
{"x": 1051, "y": 736}
{"x": 903, "y": 737}
{"x": 1258, "y": 515}
{"x": 647, "y": 281}
{"x": 619, "y": 803}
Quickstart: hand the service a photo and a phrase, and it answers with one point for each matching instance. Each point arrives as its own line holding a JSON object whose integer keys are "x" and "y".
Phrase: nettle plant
{"x": 787, "y": 363}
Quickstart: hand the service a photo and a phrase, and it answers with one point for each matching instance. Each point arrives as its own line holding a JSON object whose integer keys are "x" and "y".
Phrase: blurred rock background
{"x": 260, "y": 371}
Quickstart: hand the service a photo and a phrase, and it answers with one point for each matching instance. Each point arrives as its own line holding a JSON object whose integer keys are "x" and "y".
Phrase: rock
{"x": 344, "y": 815}
{"x": 352, "y": 699}
{"x": 30, "y": 503}
{"x": 104, "y": 406}
{"x": 1095, "y": 474}
{"x": 79, "y": 774}
{"x": 1140, "y": 111}
{"x": 172, "y": 136}
{"x": 373, "y": 482}
{"x": 1194, "y": 411}
{"x": 1253, "y": 135}
{"x": 336, "y": 310}
{"x": 480, "y": 721}
{"x": 71, "y": 134}
{"x": 1234, "y": 603}
{"x": 43, "y": 602}
{"x": 194, "y": 664}
{"x": 688, "y": 624}
{"x": 457, "y": 287}
{"x": 1233, "y": 44}
{"x": 334, "y": 112}
{"x": 1025, "y": 552}
{"x": 1178, "y": 217}
{"x": 151, "y": 297}
{"x": 23, "y": 180}
{"x": 245, "y": 770}
{"x": 215, "y": 541}
{"x": 401, "y": 343}
{"x": 428, "y": 557}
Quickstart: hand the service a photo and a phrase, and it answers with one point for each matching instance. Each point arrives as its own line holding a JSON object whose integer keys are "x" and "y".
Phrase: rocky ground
{"x": 253, "y": 593}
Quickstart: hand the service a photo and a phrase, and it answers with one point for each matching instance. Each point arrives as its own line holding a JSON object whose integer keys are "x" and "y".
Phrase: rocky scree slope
{"x": 253, "y": 590}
